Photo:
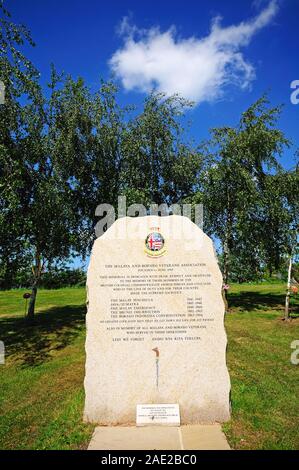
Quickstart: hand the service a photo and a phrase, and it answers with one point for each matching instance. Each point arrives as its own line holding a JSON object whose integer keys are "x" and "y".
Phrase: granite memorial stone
{"x": 155, "y": 323}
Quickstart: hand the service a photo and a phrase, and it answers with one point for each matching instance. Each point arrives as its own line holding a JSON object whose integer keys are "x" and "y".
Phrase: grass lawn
{"x": 41, "y": 385}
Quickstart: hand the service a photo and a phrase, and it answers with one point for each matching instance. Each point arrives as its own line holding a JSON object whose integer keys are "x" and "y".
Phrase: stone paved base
{"x": 193, "y": 437}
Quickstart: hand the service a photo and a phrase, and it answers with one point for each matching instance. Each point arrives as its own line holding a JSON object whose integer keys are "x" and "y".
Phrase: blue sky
{"x": 169, "y": 44}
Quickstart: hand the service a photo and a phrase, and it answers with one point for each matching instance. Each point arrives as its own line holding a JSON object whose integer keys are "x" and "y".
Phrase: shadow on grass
{"x": 53, "y": 329}
{"x": 248, "y": 300}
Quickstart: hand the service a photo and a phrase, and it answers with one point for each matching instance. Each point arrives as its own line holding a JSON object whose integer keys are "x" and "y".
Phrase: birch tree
{"x": 232, "y": 186}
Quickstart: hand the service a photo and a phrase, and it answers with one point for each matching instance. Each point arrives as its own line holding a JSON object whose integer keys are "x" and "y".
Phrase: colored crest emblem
{"x": 154, "y": 241}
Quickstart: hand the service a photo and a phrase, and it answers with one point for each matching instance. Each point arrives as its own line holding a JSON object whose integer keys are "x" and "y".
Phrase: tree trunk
{"x": 31, "y": 308}
{"x": 225, "y": 269}
{"x": 226, "y": 247}
{"x": 225, "y": 263}
{"x": 287, "y": 302}
{"x": 224, "y": 297}
{"x": 37, "y": 270}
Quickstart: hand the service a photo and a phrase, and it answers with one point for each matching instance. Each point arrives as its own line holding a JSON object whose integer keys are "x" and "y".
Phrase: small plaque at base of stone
{"x": 158, "y": 414}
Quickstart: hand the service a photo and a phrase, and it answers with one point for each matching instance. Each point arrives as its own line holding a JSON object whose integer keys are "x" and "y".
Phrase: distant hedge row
{"x": 53, "y": 279}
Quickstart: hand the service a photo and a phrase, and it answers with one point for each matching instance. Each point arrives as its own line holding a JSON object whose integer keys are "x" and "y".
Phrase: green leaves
{"x": 157, "y": 159}
{"x": 244, "y": 191}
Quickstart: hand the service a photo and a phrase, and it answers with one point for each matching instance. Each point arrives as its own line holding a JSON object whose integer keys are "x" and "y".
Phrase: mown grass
{"x": 41, "y": 399}
{"x": 41, "y": 396}
{"x": 12, "y": 302}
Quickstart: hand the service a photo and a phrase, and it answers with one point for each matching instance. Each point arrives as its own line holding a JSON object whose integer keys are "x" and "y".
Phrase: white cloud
{"x": 196, "y": 68}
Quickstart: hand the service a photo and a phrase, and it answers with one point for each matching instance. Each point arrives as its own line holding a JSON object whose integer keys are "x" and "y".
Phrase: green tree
{"x": 19, "y": 77}
{"x": 86, "y": 142}
{"x": 159, "y": 166}
{"x": 236, "y": 181}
